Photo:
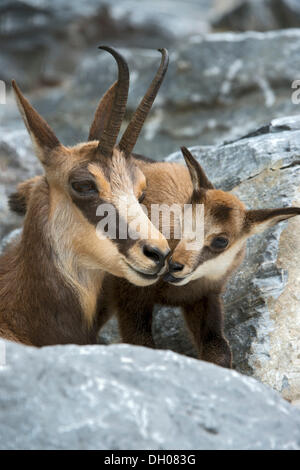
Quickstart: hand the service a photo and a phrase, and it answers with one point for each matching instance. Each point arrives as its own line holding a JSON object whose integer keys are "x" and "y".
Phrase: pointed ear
{"x": 18, "y": 201}
{"x": 257, "y": 221}
{"x": 42, "y": 136}
{"x": 103, "y": 113}
{"x": 198, "y": 176}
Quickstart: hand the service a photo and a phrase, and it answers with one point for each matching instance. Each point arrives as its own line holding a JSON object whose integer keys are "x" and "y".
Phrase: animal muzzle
{"x": 149, "y": 262}
{"x": 156, "y": 255}
{"x": 174, "y": 269}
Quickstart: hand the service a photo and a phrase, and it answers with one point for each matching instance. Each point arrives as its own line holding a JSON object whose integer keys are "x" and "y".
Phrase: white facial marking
{"x": 216, "y": 268}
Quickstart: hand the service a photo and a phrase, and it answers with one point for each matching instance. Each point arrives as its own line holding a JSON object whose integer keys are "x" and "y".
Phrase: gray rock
{"x": 290, "y": 11}
{"x": 223, "y": 86}
{"x": 17, "y": 163}
{"x": 218, "y": 87}
{"x": 125, "y": 397}
{"x": 48, "y": 38}
{"x": 260, "y": 15}
{"x": 10, "y": 238}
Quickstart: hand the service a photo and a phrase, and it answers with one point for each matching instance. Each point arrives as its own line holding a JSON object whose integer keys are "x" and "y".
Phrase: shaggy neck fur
{"x": 44, "y": 294}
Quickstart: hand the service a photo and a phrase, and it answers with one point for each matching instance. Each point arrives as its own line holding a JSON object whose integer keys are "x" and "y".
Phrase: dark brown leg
{"x": 205, "y": 321}
{"x": 135, "y": 324}
{"x": 104, "y": 312}
{"x": 133, "y": 306}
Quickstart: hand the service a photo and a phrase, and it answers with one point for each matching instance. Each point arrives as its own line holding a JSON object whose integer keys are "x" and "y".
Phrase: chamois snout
{"x": 174, "y": 266}
{"x": 146, "y": 260}
{"x": 156, "y": 255}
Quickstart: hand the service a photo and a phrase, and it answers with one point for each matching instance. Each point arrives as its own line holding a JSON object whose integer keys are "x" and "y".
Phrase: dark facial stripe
{"x": 205, "y": 255}
{"x": 221, "y": 212}
{"x": 89, "y": 205}
{"x": 88, "y": 208}
{"x": 123, "y": 244}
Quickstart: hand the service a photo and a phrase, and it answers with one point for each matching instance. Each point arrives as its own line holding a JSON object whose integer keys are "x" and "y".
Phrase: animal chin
{"x": 143, "y": 275}
{"x": 168, "y": 277}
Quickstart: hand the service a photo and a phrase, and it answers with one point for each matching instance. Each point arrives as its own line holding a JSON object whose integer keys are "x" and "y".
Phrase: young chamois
{"x": 198, "y": 273}
{"x": 51, "y": 279}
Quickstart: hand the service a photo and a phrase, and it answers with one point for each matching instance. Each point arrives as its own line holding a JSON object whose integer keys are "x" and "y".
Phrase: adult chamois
{"x": 50, "y": 280}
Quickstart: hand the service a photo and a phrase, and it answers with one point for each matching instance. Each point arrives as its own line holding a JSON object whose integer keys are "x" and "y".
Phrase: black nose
{"x": 155, "y": 255}
{"x": 174, "y": 266}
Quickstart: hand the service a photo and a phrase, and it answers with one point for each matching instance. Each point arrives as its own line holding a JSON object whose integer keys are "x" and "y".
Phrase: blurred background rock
{"x": 232, "y": 64}
{"x": 218, "y": 86}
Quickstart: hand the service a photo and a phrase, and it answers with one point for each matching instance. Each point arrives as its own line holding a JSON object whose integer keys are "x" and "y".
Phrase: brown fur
{"x": 38, "y": 307}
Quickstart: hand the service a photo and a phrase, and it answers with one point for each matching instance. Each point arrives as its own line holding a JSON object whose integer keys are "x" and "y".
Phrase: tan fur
{"x": 103, "y": 185}
{"x": 63, "y": 225}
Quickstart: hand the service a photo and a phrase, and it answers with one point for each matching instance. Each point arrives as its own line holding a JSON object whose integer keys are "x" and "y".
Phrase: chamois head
{"x": 95, "y": 174}
{"x": 227, "y": 225}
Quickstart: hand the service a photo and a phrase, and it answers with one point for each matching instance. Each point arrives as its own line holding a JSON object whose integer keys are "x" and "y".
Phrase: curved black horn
{"x": 134, "y": 128}
{"x": 113, "y": 123}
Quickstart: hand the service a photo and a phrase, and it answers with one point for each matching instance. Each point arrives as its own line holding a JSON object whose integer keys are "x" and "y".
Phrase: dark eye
{"x": 84, "y": 187}
{"x": 219, "y": 243}
{"x": 142, "y": 197}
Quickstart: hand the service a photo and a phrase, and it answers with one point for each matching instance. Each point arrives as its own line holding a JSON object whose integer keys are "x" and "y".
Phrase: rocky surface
{"x": 218, "y": 87}
{"x": 47, "y": 38}
{"x": 260, "y": 15}
{"x": 282, "y": 369}
{"x": 125, "y": 397}
{"x": 17, "y": 162}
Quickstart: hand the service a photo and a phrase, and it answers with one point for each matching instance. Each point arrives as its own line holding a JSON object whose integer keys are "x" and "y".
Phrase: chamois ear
{"x": 18, "y": 201}
{"x": 198, "y": 176}
{"x": 43, "y": 138}
{"x": 257, "y": 221}
{"x": 103, "y": 113}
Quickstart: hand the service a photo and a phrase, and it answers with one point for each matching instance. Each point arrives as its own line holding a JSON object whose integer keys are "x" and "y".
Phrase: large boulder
{"x": 124, "y": 397}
